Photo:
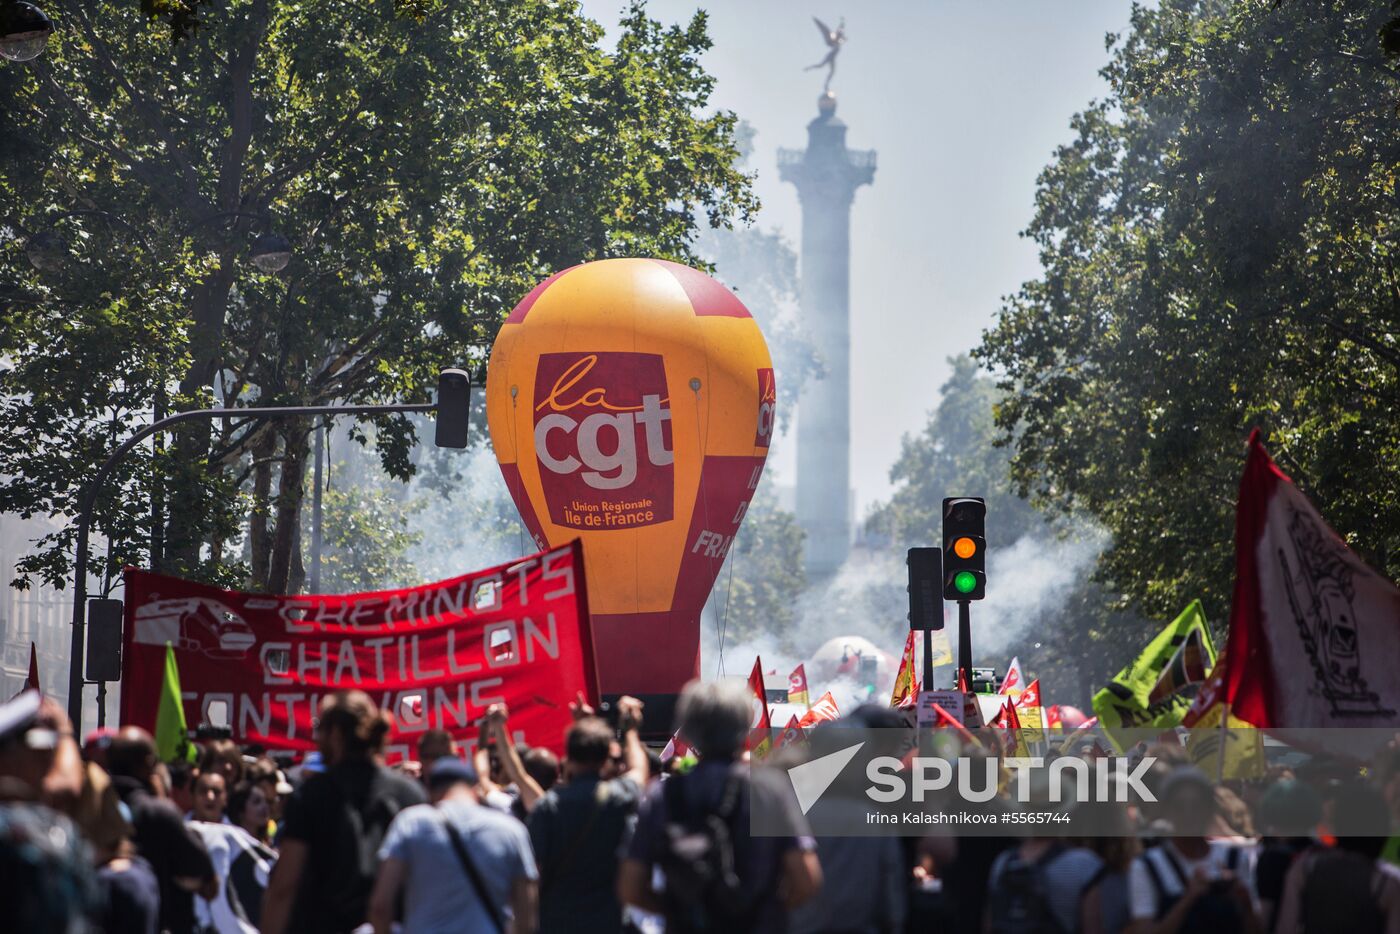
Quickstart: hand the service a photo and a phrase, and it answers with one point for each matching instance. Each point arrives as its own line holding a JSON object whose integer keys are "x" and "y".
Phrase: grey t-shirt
{"x": 438, "y": 895}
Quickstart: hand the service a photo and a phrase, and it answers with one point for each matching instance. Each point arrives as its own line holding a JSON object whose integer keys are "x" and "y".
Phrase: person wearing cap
{"x": 46, "y": 880}
{"x": 460, "y": 866}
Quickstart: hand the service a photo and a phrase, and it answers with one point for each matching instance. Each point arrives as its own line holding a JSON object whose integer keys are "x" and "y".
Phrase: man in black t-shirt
{"x": 334, "y": 823}
{"x": 578, "y": 828}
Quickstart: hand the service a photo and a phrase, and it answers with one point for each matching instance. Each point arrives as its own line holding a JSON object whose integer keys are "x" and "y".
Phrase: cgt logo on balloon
{"x": 631, "y": 404}
{"x": 767, "y": 408}
{"x": 603, "y": 439}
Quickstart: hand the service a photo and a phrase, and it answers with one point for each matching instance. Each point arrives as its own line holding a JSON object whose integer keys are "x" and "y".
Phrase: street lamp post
{"x": 24, "y": 31}
{"x": 449, "y": 387}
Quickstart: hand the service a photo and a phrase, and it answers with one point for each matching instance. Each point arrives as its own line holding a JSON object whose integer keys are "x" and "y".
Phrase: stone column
{"x": 827, "y": 175}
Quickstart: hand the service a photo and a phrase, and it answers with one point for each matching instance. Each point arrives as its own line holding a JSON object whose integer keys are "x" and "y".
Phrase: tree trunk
{"x": 259, "y": 533}
{"x": 290, "y": 492}
{"x": 188, "y": 521}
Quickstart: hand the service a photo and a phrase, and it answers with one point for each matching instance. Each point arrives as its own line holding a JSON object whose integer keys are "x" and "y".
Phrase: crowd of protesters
{"x": 104, "y": 836}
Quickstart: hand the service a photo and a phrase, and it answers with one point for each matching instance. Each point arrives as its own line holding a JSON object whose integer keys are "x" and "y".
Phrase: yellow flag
{"x": 942, "y": 652}
{"x": 1243, "y": 744}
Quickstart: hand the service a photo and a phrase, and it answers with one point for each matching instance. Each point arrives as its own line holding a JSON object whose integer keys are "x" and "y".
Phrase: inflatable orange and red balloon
{"x": 631, "y": 403}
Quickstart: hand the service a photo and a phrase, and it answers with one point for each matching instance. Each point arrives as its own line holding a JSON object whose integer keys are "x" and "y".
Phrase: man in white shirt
{"x": 1189, "y": 882}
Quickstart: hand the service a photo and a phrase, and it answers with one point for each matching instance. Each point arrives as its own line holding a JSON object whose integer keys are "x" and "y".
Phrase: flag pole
{"x": 1224, "y": 737}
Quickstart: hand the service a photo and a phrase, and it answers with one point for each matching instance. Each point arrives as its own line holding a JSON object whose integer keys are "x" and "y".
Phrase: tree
{"x": 427, "y": 172}
{"x": 1218, "y": 254}
{"x": 955, "y": 455}
{"x": 1075, "y": 635}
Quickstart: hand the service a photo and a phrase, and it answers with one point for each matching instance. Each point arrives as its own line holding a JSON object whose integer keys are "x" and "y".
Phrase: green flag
{"x": 1150, "y": 693}
{"x": 172, "y": 735}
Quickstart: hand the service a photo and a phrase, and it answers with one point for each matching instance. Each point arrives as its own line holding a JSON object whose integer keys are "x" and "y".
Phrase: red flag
{"x": 797, "y": 687}
{"x": 677, "y": 748}
{"x": 1052, "y": 717}
{"x": 962, "y": 682}
{"x": 904, "y": 684}
{"x": 1015, "y": 678}
{"x": 945, "y": 719}
{"x": 31, "y": 683}
{"x": 791, "y": 734}
{"x": 756, "y": 685}
{"x": 1030, "y": 697}
{"x": 1313, "y": 630}
{"x": 823, "y": 709}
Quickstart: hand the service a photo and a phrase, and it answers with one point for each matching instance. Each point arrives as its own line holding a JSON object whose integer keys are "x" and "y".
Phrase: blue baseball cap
{"x": 449, "y": 770}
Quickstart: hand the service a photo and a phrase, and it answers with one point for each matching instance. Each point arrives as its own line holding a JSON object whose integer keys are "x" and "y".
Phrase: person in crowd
{"x": 210, "y": 797}
{"x": 248, "y": 808}
{"x": 178, "y": 856}
{"x": 95, "y": 745}
{"x": 1035, "y": 887}
{"x": 130, "y": 890}
{"x": 542, "y": 766}
{"x": 1106, "y": 829}
{"x": 335, "y": 822}
{"x": 265, "y": 774}
{"x": 182, "y": 775}
{"x": 46, "y": 880}
{"x": 243, "y": 866}
{"x": 1345, "y": 889}
{"x": 578, "y": 828}
{"x": 458, "y": 865}
{"x": 864, "y": 888}
{"x": 223, "y": 756}
{"x": 1289, "y": 812}
{"x": 1190, "y": 883}
{"x": 433, "y": 745}
{"x": 524, "y": 788}
{"x": 772, "y": 874}
{"x": 497, "y": 789}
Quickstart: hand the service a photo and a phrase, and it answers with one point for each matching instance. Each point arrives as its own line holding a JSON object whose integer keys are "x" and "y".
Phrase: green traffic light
{"x": 965, "y": 582}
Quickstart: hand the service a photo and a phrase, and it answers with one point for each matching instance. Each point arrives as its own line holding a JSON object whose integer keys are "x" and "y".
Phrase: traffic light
{"x": 925, "y": 579}
{"x": 454, "y": 409}
{"x": 964, "y": 548}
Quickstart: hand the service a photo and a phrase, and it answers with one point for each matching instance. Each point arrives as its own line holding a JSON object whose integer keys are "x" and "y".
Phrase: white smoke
{"x": 474, "y": 526}
{"x": 1028, "y": 584}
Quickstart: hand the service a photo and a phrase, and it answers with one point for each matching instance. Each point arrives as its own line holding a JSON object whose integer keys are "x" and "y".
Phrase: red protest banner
{"x": 435, "y": 656}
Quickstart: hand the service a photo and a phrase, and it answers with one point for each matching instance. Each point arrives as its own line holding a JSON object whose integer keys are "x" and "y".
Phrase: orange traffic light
{"x": 964, "y": 547}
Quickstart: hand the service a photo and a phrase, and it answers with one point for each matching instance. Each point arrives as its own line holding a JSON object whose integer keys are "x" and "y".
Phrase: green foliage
{"x": 1218, "y": 252}
{"x": 955, "y": 455}
{"x": 366, "y": 539}
{"x": 428, "y": 169}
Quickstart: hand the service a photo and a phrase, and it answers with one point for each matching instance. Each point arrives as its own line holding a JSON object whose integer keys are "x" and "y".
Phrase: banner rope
{"x": 705, "y": 510}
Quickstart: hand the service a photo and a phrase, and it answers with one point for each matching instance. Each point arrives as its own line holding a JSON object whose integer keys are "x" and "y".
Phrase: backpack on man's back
{"x": 704, "y": 870}
{"x": 1341, "y": 893}
{"x": 1019, "y": 901}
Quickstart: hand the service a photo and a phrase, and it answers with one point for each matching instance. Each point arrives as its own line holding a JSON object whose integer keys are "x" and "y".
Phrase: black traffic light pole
{"x": 964, "y": 642}
{"x": 964, "y": 567}
{"x": 76, "y": 681}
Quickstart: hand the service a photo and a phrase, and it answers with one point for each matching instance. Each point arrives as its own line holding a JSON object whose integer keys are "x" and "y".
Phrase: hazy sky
{"x": 965, "y": 101}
